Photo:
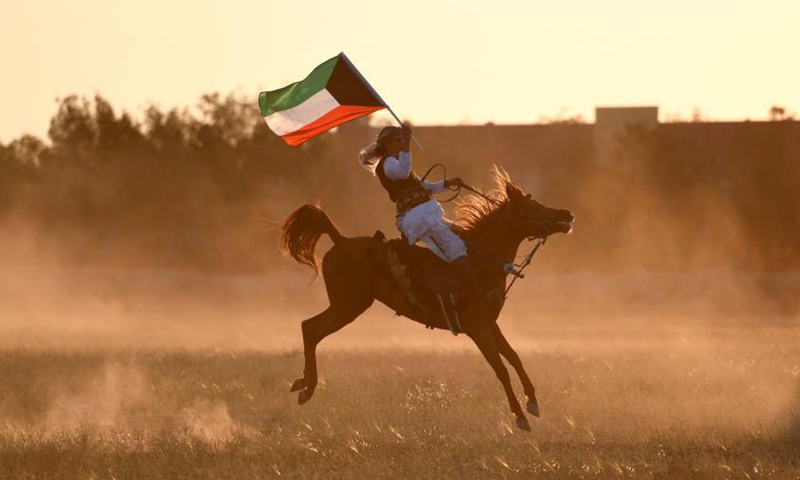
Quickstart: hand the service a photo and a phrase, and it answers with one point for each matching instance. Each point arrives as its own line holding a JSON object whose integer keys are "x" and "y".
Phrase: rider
{"x": 419, "y": 215}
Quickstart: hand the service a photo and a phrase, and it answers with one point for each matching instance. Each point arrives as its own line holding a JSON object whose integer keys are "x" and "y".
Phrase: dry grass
{"x": 725, "y": 409}
{"x": 109, "y": 374}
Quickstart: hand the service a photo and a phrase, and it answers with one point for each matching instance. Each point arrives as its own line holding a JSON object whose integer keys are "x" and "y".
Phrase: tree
{"x": 778, "y": 114}
{"x": 19, "y": 168}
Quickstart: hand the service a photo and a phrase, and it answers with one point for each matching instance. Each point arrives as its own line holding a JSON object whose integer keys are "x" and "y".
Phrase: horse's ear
{"x": 513, "y": 192}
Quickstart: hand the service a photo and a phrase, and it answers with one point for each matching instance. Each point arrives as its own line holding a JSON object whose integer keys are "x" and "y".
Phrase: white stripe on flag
{"x": 295, "y": 118}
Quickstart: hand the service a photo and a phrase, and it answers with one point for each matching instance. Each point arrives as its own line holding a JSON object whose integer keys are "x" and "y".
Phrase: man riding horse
{"x": 419, "y": 216}
{"x": 493, "y": 225}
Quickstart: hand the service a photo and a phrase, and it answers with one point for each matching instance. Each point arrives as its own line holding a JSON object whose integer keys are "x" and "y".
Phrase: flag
{"x": 334, "y": 93}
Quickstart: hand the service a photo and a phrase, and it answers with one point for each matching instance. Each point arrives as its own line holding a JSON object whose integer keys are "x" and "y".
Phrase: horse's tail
{"x": 301, "y": 231}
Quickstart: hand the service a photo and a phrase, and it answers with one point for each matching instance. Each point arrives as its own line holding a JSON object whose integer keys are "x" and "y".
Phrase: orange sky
{"x": 434, "y": 61}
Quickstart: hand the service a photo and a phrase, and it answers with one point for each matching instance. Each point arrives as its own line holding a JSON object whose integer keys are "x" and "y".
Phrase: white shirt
{"x": 415, "y": 222}
{"x": 400, "y": 169}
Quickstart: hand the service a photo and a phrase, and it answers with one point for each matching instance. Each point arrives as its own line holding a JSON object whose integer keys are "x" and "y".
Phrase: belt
{"x": 411, "y": 199}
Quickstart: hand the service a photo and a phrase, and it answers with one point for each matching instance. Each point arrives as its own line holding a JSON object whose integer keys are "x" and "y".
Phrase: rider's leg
{"x": 444, "y": 242}
{"x": 452, "y": 248}
{"x": 491, "y": 298}
{"x": 434, "y": 246}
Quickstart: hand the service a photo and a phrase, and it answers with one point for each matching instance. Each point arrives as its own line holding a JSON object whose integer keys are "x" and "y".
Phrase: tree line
{"x": 206, "y": 187}
{"x": 165, "y": 185}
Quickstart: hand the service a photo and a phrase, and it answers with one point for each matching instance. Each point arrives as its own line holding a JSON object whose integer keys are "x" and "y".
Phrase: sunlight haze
{"x": 441, "y": 62}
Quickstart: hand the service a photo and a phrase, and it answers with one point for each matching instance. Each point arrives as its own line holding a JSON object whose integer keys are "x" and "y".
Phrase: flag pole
{"x": 372, "y": 90}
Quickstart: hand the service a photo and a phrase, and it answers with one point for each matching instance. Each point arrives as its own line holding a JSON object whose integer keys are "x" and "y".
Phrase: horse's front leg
{"x": 484, "y": 339}
{"x": 512, "y": 357}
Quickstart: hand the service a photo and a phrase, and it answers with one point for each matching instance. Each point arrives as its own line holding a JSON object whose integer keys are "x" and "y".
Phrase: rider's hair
{"x": 369, "y": 156}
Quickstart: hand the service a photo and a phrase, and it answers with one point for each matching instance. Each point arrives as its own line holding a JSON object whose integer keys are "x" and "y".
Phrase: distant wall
{"x": 646, "y": 195}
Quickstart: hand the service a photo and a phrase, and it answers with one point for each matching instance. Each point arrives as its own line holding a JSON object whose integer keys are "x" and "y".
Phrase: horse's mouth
{"x": 564, "y": 227}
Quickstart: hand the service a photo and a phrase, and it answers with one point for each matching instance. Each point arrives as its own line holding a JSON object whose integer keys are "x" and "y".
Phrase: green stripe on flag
{"x": 298, "y": 92}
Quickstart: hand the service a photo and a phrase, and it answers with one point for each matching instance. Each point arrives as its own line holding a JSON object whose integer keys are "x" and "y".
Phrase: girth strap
{"x": 454, "y": 327}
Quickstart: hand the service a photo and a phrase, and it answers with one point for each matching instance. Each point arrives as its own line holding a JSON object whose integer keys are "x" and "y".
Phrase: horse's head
{"x": 532, "y": 219}
{"x": 509, "y": 208}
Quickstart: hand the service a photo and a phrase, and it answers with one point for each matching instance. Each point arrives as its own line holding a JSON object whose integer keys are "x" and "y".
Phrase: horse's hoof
{"x": 523, "y": 424}
{"x": 533, "y": 408}
{"x": 298, "y": 384}
{"x": 304, "y": 396}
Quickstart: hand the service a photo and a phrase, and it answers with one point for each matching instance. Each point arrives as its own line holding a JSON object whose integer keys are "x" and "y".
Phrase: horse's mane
{"x": 473, "y": 210}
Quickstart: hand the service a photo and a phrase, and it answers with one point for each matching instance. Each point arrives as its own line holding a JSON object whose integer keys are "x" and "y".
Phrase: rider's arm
{"x": 397, "y": 169}
{"x": 406, "y": 139}
{"x": 434, "y": 187}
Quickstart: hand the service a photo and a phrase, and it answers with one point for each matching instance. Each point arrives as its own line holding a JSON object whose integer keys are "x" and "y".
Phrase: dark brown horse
{"x": 494, "y": 226}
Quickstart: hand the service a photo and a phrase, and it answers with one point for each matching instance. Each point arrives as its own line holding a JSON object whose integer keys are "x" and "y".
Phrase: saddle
{"x": 429, "y": 283}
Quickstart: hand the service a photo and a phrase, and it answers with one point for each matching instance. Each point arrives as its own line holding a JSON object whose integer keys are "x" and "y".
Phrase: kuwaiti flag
{"x": 334, "y": 93}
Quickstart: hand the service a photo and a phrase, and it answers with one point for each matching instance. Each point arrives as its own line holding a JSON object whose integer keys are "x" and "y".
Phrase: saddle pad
{"x": 428, "y": 273}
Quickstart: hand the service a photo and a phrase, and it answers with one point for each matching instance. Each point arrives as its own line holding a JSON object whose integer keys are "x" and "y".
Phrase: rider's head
{"x": 388, "y": 141}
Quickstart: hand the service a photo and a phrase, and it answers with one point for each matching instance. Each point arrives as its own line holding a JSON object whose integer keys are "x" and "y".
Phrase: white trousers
{"x": 443, "y": 242}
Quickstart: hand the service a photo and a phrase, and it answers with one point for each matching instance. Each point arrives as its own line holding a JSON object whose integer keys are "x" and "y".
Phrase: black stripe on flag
{"x": 348, "y": 89}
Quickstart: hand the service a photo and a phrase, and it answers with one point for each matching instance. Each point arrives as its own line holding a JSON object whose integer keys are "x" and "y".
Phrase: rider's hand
{"x": 406, "y": 132}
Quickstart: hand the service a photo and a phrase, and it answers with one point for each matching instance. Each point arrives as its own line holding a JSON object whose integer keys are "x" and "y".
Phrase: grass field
{"x": 636, "y": 377}
{"x": 400, "y": 414}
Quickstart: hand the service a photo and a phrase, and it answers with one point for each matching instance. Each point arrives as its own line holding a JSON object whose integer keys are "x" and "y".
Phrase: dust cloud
{"x": 122, "y": 397}
{"x": 709, "y": 342}
{"x": 48, "y": 300}
{"x": 210, "y": 420}
{"x": 101, "y": 401}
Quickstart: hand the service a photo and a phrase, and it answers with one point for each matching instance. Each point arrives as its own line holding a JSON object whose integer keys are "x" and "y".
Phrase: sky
{"x": 433, "y": 61}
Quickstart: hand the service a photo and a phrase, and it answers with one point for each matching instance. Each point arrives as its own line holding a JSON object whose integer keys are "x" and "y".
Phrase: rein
{"x": 512, "y": 269}
{"x": 479, "y": 193}
{"x": 517, "y": 272}
{"x": 444, "y": 174}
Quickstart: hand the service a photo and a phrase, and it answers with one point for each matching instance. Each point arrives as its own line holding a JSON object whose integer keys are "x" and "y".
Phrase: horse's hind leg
{"x": 348, "y": 281}
{"x": 512, "y": 357}
{"x": 307, "y": 325}
{"x": 315, "y": 329}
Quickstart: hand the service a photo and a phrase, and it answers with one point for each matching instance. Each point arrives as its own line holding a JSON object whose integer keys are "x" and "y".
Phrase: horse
{"x": 493, "y": 225}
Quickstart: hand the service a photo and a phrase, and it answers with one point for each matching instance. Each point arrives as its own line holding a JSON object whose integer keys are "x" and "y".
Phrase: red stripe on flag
{"x": 337, "y": 116}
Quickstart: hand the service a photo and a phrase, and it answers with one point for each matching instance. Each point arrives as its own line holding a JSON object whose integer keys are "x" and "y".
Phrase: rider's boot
{"x": 487, "y": 299}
